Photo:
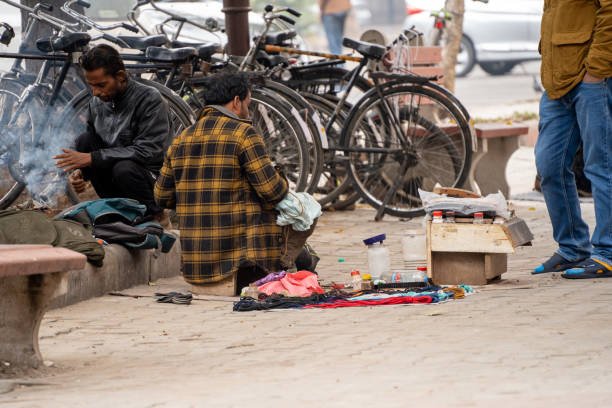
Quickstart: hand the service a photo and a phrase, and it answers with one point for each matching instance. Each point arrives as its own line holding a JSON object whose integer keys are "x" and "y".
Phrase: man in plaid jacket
{"x": 219, "y": 178}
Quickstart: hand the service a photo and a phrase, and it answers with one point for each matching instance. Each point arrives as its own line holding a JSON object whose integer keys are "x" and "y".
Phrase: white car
{"x": 197, "y": 11}
{"x": 496, "y": 35}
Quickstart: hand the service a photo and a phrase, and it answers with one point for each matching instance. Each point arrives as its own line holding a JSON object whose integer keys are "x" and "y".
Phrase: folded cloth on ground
{"x": 298, "y": 210}
{"x": 174, "y": 297}
{"x": 301, "y": 283}
{"x": 271, "y": 277}
{"x": 335, "y": 299}
{"x": 120, "y": 221}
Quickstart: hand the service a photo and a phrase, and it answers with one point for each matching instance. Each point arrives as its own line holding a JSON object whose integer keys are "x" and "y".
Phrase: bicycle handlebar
{"x": 88, "y": 22}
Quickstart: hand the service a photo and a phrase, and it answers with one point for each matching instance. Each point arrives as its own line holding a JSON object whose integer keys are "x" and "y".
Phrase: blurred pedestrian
{"x": 576, "y": 106}
{"x": 333, "y": 17}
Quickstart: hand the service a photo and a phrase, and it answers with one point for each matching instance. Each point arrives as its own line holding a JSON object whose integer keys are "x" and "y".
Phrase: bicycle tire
{"x": 304, "y": 112}
{"x": 333, "y": 189}
{"x": 283, "y": 137}
{"x": 371, "y": 173}
{"x": 10, "y": 187}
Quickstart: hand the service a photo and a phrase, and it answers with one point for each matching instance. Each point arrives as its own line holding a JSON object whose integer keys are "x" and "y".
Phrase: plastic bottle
{"x": 478, "y": 218}
{"x": 356, "y": 280}
{"x": 414, "y": 248}
{"x": 378, "y": 256}
{"x": 450, "y": 217}
{"x": 421, "y": 274}
{"x": 437, "y": 217}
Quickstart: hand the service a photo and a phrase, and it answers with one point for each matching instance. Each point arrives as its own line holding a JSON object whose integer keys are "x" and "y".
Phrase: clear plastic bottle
{"x": 356, "y": 280}
{"x": 479, "y": 218}
{"x": 437, "y": 217}
{"x": 421, "y": 274}
{"x": 414, "y": 248}
{"x": 378, "y": 256}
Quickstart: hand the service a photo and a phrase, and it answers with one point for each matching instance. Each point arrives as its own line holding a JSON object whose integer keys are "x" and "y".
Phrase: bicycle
{"x": 28, "y": 128}
{"x": 364, "y": 152}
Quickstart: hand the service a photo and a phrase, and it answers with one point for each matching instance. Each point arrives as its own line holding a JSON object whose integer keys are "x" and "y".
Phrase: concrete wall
{"x": 122, "y": 269}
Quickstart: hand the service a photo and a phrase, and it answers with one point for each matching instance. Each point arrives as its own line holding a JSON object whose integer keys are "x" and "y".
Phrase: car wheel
{"x": 497, "y": 67}
{"x": 466, "y": 58}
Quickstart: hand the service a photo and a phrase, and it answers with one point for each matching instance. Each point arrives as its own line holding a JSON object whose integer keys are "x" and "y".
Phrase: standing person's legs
{"x": 593, "y": 104}
{"x": 334, "y": 30}
{"x": 558, "y": 140}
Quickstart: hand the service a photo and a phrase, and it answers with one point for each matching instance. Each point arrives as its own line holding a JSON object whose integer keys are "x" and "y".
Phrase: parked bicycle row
{"x": 374, "y": 132}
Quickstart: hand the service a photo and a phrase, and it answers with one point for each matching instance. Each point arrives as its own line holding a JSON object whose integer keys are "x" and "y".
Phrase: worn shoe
{"x": 555, "y": 263}
{"x": 589, "y": 269}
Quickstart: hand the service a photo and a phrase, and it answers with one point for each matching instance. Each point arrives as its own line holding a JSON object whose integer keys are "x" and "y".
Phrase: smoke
{"x": 33, "y": 136}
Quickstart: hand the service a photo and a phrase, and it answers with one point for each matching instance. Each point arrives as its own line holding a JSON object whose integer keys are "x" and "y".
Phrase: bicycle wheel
{"x": 282, "y": 136}
{"x": 403, "y": 138}
{"x": 10, "y": 91}
{"x": 333, "y": 188}
{"x": 307, "y": 118}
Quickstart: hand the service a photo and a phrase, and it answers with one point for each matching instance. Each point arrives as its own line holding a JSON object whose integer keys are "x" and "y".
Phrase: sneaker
{"x": 589, "y": 269}
{"x": 556, "y": 263}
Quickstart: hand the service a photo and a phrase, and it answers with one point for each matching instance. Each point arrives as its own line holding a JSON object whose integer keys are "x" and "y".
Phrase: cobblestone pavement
{"x": 525, "y": 341}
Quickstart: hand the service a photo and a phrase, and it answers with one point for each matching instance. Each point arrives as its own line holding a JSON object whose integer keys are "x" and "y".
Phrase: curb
{"x": 123, "y": 268}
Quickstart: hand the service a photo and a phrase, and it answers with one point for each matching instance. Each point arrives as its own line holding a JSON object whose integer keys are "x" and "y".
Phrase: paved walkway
{"x": 525, "y": 341}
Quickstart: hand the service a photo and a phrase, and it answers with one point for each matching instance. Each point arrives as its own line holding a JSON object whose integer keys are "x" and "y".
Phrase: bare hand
{"x": 591, "y": 78}
{"x": 77, "y": 181}
{"x": 71, "y": 160}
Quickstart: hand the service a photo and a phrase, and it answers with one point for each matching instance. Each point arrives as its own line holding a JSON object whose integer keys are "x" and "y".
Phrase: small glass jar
{"x": 479, "y": 218}
{"x": 450, "y": 217}
{"x": 437, "y": 217}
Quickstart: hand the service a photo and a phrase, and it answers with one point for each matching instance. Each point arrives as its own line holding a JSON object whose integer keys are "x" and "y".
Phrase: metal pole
{"x": 237, "y": 26}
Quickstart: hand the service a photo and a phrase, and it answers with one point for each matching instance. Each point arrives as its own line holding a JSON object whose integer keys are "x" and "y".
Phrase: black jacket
{"x": 134, "y": 127}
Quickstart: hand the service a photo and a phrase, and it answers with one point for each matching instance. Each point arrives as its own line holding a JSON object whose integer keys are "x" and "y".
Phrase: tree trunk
{"x": 41, "y": 29}
{"x": 452, "y": 41}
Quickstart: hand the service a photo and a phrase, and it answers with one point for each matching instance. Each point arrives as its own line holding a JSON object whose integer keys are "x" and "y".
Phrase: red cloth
{"x": 302, "y": 283}
{"x": 374, "y": 302}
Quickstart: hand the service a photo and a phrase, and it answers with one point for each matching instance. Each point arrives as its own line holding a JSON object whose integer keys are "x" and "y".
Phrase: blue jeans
{"x": 583, "y": 114}
{"x": 334, "y": 30}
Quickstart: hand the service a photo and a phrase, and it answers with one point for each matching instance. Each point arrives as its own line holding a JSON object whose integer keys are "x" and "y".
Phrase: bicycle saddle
{"x": 280, "y": 37}
{"x": 167, "y": 55}
{"x": 204, "y": 50}
{"x": 142, "y": 43}
{"x": 68, "y": 43}
{"x": 366, "y": 49}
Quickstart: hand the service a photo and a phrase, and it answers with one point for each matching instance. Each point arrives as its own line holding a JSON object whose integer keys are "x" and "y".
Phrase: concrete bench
{"x": 496, "y": 143}
{"x": 31, "y": 276}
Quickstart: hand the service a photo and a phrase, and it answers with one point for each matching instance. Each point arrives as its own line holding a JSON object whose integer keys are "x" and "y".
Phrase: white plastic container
{"x": 414, "y": 249}
{"x": 378, "y": 256}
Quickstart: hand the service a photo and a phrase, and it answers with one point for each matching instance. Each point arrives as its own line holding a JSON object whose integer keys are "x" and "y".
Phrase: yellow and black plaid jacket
{"x": 219, "y": 178}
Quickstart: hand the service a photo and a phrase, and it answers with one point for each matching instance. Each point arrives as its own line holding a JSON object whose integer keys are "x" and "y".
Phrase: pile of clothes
{"x": 301, "y": 290}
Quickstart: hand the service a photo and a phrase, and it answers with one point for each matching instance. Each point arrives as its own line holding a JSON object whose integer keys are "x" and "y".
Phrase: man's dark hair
{"x": 103, "y": 56}
{"x": 224, "y": 87}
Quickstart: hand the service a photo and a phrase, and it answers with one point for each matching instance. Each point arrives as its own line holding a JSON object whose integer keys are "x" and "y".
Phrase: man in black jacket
{"x": 127, "y": 133}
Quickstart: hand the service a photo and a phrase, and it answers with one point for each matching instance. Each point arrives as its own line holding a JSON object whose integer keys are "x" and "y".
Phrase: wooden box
{"x": 472, "y": 254}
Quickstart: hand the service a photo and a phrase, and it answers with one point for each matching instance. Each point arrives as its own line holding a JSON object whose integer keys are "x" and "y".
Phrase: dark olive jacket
{"x": 576, "y": 37}
{"x": 134, "y": 127}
